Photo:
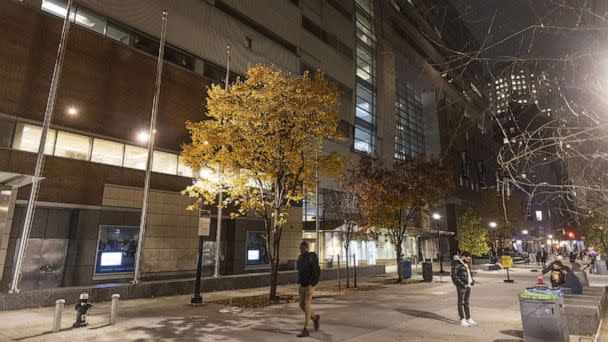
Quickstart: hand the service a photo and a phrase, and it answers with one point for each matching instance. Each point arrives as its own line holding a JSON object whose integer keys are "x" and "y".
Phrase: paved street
{"x": 413, "y": 312}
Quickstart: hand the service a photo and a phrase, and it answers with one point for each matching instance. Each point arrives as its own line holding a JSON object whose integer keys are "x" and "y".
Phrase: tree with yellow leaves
{"x": 261, "y": 139}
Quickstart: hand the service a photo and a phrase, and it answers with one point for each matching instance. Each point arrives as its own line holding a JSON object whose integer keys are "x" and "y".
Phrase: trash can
{"x": 543, "y": 319}
{"x": 600, "y": 267}
{"x": 406, "y": 269}
{"x": 427, "y": 271}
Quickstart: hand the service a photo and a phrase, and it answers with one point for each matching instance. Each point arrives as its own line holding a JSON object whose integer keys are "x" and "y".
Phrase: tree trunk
{"x": 347, "y": 269}
{"x": 399, "y": 250}
{"x": 274, "y": 275}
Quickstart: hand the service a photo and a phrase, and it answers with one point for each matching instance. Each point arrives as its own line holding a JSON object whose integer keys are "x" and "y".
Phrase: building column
{"x": 8, "y": 197}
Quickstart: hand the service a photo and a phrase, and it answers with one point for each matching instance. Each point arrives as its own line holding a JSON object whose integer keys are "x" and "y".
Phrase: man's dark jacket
{"x": 308, "y": 269}
{"x": 459, "y": 274}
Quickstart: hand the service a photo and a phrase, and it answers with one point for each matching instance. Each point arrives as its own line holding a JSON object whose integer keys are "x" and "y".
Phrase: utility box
{"x": 544, "y": 320}
{"x": 406, "y": 269}
{"x": 427, "y": 271}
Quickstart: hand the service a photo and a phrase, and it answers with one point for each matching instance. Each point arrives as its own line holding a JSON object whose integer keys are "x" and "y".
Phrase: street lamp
{"x": 436, "y": 217}
{"x": 493, "y": 225}
{"x": 525, "y": 232}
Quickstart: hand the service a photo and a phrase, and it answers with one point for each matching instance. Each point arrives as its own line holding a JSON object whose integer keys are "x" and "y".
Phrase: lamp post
{"x": 525, "y": 232}
{"x": 492, "y": 227}
{"x": 436, "y": 217}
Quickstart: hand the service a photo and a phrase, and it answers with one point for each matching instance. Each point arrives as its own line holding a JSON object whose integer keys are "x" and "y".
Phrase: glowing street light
{"x": 492, "y": 224}
{"x": 436, "y": 217}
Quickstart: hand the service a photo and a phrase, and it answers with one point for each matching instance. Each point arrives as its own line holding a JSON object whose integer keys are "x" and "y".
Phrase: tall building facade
{"x": 398, "y": 98}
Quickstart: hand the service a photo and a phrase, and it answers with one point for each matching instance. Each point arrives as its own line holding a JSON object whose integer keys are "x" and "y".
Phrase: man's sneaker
{"x": 472, "y": 322}
{"x": 304, "y": 333}
{"x": 315, "y": 320}
{"x": 464, "y": 323}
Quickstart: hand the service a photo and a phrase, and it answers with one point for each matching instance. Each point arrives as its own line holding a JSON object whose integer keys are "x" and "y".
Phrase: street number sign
{"x": 507, "y": 262}
{"x": 204, "y": 223}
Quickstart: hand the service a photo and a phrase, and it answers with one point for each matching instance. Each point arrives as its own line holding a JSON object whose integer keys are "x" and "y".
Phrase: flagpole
{"x": 218, "y": 231}
{"x": 144, "y": 204}
{"x": 48, "y": 116}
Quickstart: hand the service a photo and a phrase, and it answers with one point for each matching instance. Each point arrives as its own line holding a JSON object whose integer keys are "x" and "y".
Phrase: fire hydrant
{"x": 81, "y": 308}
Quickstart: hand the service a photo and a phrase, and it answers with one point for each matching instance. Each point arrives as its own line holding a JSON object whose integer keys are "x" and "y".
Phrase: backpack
{"x": 557, "y": 276}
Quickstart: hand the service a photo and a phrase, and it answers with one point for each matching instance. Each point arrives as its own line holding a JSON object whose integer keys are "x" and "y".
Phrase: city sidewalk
{"x": 387, "y": 312}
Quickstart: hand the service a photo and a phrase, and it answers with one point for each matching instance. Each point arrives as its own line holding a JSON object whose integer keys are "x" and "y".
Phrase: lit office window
{"x": 164, "y": 162}
{"x": 183, "y": 169}
{"x": 27, "y": 138}
{"x": 256, "y": 254}
{"x": 135, "y": 157}
{"x": 365, "y": 112}
{"x": 116, "y": 249}
{"x": 409, "y": 132}
{"x": 107, "y": 152}
{"x": 73, "y": 146}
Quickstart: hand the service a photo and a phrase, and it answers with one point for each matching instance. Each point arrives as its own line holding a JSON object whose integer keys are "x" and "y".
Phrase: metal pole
{"x": 144, "y": 204}
{"x": 114, "y": 309}
{"x": 339, "y": 285}
{"x": 218, "y": 231}
{"x": 439, "y": 248}
{"x": 196, "y": 298}
{"x": 355, "y": 267}
{"x": 48, "y": 116}
{"x": 317, "y": 223}
{"x": 59, "y": 303}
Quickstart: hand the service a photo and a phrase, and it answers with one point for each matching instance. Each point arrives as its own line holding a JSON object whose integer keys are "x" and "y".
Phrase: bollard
{"x": 114, "y": 309}
{"x": 59, "y": 303}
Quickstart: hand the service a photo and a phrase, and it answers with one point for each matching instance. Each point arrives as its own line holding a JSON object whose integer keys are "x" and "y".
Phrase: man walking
{"x": 463, "y": 279}
{"x": 308, "y": 277}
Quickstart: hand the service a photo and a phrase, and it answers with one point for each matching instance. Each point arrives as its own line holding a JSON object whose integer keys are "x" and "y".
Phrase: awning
{"x": 17, "y": 180}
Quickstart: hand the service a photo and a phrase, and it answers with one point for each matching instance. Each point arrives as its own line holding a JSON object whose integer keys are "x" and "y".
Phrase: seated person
{"x": 557, "y": 276}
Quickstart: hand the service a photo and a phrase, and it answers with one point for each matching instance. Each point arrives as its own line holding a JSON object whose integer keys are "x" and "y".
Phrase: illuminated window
{"x": 539, "y": 215}
{"x": 135, "y": 157}
{"x": 75, "y": 146}
{"x": 255, "y": 253}
{"x": 116, "y": 249}
{"x": 27, "y": 138}
{"x": 164, "y": 162}
{"x": 107, "y": 152}
{"x": 183, "y": 169}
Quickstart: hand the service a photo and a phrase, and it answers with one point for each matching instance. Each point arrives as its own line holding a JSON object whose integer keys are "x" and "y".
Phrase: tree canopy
{"x": 261, "y": 144}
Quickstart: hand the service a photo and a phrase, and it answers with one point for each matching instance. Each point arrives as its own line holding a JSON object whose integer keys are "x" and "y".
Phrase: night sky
{"x": 547, "y": 29}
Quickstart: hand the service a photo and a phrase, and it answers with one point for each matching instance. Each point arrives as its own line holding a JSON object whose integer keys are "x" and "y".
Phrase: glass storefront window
{"x": 116, "y": 249}
{"x": 135, "y": 157}
{"x": 27, "y": 138}
{"x": 74, "y": 146}
{"x": 255, "y": 254}
{"x": 164, "y": 162}
{"x": 107, "y": 152}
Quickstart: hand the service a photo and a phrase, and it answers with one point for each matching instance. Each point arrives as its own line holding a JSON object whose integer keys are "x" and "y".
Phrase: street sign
{"x": 204, "y": 223}
{"x": 507, "y": 262}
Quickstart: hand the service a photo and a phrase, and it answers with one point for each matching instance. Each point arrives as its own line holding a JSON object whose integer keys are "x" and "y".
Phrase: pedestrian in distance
{"x": 462, "y": 277}
{"x": 538, "y": 256}
{"x": 309, "y": 272}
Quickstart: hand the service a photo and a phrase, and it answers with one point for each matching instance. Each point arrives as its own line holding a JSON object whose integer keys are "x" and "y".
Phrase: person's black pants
{"x": 463, "y": 302}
